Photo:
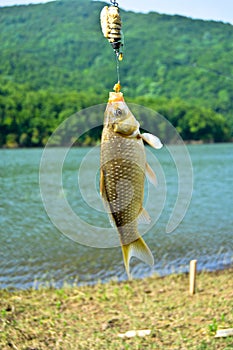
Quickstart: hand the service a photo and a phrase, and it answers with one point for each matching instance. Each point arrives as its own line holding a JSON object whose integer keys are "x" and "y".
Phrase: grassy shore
{"x": 91, "y": 317}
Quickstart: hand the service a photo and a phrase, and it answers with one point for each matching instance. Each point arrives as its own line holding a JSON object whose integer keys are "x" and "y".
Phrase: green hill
{"x": 54, "y": 60}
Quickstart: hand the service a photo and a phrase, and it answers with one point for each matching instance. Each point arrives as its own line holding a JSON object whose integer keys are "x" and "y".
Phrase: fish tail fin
{"x": 140, "y": 250}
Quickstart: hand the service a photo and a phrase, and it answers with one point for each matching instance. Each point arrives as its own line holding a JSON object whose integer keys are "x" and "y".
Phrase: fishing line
{"x": 118, "y": 69}
{"x": 114, "y": 3}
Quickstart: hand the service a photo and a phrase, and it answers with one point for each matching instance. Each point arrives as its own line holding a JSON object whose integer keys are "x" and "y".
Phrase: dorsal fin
{"x": 143, "y": 217}
{"x": 151, "y": 175}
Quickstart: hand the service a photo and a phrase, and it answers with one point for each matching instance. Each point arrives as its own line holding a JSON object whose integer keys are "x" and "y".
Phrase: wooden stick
{"x": 192, "y": 277}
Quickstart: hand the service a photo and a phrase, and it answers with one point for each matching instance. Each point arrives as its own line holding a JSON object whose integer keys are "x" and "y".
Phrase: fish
{"x": 123, "y": 167}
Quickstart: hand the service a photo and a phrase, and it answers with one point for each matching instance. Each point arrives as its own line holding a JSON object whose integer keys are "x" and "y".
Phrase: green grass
{"x": 91, "y": 317}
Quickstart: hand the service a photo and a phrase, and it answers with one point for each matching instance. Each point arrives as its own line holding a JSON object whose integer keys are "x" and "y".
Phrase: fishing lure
{"x": 111, "y": 27}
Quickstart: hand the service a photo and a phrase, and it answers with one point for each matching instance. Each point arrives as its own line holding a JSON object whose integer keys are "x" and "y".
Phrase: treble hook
{"x": 114, "y": 3}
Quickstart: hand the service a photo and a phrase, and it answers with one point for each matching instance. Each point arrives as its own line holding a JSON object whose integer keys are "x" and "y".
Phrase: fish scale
{"x": 126, "y": 182}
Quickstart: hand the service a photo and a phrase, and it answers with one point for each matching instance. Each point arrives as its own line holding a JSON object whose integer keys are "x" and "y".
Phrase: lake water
{"x": 34, "y": 252}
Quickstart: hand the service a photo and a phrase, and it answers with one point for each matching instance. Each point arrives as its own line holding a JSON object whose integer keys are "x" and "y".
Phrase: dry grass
{"x": 91, "y": 317}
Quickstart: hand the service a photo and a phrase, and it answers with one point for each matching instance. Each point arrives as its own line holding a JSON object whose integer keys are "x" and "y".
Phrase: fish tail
{"x": 140, "y": 250}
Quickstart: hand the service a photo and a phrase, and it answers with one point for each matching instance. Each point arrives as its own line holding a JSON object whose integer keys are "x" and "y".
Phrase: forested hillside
{"x": 55, "y": 61}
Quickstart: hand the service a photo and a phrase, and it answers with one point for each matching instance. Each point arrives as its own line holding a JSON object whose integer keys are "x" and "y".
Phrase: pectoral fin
{"x": 151, "y": 175}
{"x": 152, "y": 140}
{"x": 140, "y": 250}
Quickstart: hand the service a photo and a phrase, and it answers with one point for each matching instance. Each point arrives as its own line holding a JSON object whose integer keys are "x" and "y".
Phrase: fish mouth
{"x": 115, "y": 97}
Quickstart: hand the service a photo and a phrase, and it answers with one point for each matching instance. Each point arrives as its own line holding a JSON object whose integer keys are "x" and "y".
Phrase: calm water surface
{"x": 33, "y": 252}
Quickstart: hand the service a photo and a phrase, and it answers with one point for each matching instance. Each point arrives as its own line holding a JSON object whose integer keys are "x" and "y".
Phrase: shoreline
{"x": 186, "y": 142}
{"x": 92, "y": 317}
{"x": 38, "y": 285}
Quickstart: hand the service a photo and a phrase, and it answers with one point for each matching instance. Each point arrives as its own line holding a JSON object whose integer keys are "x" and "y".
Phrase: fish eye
{"x": 118, "y": 112}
